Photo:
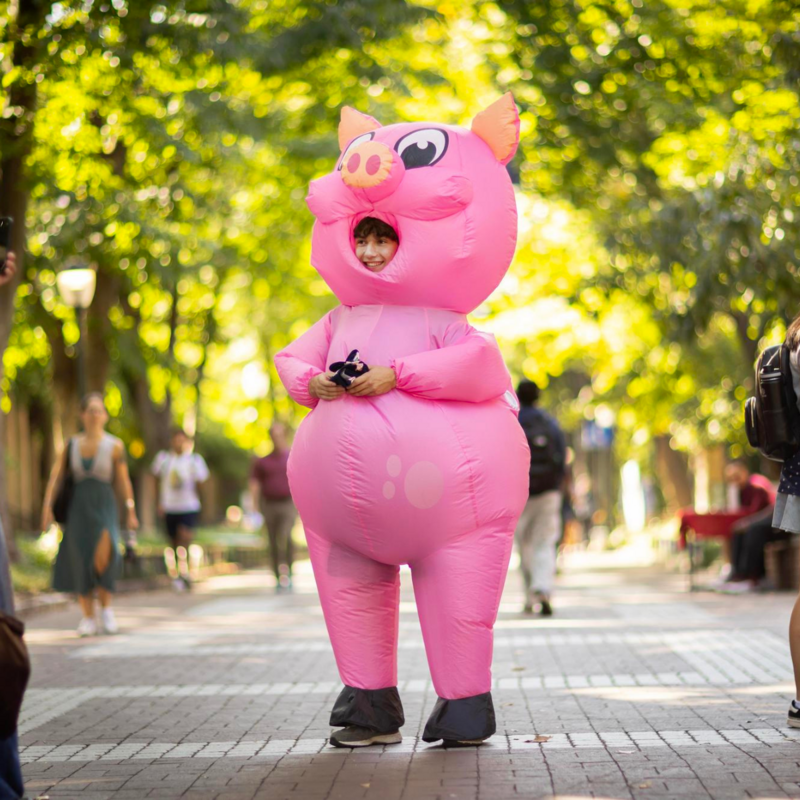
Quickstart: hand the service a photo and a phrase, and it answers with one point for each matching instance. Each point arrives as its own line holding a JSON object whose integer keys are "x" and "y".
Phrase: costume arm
{"x": 304, "y": 358}
{"x": 468, "y": 366}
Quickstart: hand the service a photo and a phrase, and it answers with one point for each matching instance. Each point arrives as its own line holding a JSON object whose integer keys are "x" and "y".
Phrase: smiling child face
{"x": 375, "y": 251}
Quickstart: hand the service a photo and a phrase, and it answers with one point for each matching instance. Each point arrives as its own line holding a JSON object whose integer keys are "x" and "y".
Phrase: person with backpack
{"x": 539, "y": 527}
{"x": 772, "y": 421}
{"x": 773, "y": 426}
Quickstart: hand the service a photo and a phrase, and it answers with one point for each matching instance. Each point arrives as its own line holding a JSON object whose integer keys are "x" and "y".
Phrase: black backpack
{"x": 547, "y": 452}
{"x": 771, "y": 418}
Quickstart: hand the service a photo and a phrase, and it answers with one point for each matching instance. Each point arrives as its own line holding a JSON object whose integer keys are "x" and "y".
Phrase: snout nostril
{"x": 353, "y": 162}
{"x": 373, "y": 164}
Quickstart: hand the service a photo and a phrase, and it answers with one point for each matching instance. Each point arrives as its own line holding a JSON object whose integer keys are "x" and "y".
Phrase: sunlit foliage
{"x": 173, "y": 143}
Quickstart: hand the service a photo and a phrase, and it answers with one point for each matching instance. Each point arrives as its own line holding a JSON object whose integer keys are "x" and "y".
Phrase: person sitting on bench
{"x": 752, "y": 532}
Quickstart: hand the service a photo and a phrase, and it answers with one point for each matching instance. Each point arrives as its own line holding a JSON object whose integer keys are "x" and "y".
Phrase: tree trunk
{"x": 748, "y": 345}
{"x": 672, "y": 469}
{"x": 66, "y": 403}
{"x": 16, "y": 133}
{"x": 96, "y": 346}
{"x": 154, "y": 421}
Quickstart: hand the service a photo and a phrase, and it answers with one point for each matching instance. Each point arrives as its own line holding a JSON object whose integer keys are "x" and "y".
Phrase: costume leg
{"x": 458, "y": 592}
{"x": 360, "y": 600}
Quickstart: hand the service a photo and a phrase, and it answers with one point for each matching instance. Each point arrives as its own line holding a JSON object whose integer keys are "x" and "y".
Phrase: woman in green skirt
{"x": 88, "y": 559}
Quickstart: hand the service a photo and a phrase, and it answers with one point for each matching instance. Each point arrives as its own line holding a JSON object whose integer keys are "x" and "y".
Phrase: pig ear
{"x": 353, "y": 123}
{"x": 498, "y": 126}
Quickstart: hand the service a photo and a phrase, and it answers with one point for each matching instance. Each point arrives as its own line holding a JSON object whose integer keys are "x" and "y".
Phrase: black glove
{"x": 348, "y": 371}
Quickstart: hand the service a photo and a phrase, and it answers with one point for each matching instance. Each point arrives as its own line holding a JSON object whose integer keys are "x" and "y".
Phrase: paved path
{"x": 634, "y": 689}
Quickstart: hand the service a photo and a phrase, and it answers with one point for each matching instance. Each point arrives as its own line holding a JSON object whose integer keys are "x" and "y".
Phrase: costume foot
{"x": 448, "y": 743}
{"x": 368, "y": 709}
{"x": 353, "y": 736}
{"x": 467, "y": 720}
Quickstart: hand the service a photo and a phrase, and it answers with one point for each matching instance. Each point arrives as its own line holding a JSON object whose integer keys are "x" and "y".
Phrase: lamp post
{"x": 76, "y": 286}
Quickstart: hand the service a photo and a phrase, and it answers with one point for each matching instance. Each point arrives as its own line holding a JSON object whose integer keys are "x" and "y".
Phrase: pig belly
{"x": 395, "y": 477}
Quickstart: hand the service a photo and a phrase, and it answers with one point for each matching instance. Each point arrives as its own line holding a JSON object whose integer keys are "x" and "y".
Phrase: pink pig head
{"x": 446, "y": 192}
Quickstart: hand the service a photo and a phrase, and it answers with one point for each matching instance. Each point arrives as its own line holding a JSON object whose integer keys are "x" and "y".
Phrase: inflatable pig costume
{"x": 434, "y": 473}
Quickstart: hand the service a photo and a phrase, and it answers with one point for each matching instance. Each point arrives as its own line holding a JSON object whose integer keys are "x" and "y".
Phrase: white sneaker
{"x": 738, "y": 587}
{"x": 109, "y": 621}
{"x": 87, "y": 627}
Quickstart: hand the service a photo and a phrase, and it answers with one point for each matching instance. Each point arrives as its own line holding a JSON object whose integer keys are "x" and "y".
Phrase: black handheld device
{"x": 5, "y": 240}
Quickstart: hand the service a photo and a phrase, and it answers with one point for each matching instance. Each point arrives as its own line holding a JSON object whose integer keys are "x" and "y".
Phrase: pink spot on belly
{"x": 388, "y": 490}
{"x": 393, "y": 466}
{"x": 424, "y": 485}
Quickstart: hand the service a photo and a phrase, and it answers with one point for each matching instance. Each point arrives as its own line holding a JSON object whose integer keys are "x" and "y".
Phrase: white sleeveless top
{"x": 102, "y": 468}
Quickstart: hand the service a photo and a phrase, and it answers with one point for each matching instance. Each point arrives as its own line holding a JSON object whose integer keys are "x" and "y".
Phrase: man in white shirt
{"x": 180, "y": 471}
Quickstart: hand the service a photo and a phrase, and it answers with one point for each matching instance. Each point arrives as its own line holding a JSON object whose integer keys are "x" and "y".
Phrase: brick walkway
{"x": 634, "y": 689}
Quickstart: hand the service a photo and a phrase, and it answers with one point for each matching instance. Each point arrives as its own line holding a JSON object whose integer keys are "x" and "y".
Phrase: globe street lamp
{"x": 76, "y": 286}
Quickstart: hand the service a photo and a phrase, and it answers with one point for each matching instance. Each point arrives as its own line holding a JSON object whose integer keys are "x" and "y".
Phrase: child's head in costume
{"x": 375, "y": 243}
{"x": 444, "y": 190}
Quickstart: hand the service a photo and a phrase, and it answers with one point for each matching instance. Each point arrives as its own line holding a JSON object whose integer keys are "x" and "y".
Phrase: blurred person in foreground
{"x": 88, "y": 560}
{"x": 180, "y": 471}
{"x": 270, "y": 493}
{"x": 540, "y": 525}
{"x": 10, "y": 770}
{"x": 755, "y": 498}
{"x": 787, "y": 516}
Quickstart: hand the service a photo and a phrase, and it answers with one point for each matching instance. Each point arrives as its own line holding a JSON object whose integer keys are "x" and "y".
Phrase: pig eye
{"x": 365, "y": 137}
{"x": 422, "y": 148}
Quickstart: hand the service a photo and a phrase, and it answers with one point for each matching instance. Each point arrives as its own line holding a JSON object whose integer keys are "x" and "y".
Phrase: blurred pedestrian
{"x": 88, "y": 560}
{"x": 540, "y": 525}
{"x": 787, "y": 516}
{"x": 10, "y": 770}
{"x": 180, "y": 472}
{"x": 15, "y": 670}
{"x": 269, "y": 489}
{"x": 754, "y": 496}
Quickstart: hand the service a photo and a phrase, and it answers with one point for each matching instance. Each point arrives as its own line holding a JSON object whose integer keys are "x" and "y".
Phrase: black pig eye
{"x": 422, "y": 148}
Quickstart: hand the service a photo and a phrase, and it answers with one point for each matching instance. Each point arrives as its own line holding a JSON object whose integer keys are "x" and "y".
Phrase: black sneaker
{"x": 543, "y": 601}
{"x": 793, "y": 717}
{"x": 353, "y": 736}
